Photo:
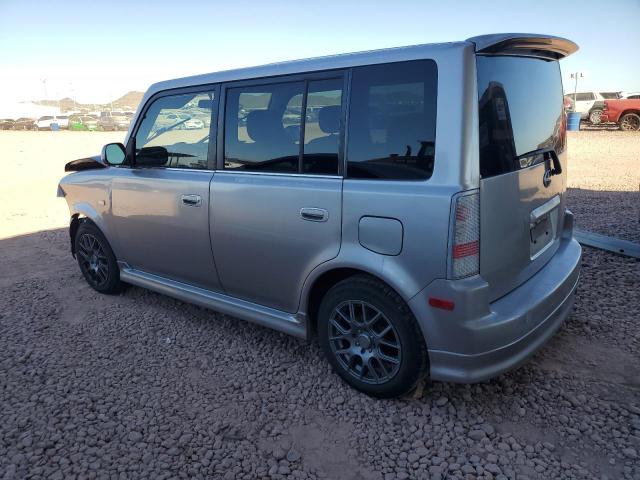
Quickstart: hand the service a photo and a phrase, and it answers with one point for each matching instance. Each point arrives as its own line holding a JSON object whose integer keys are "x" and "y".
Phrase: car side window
{"x": 392, "y": 121}
{"x": 175, "y": 132}
{"x": 262, "y": 128}
{"x": 584, "y": 97}
{"x": 322, "y": 127}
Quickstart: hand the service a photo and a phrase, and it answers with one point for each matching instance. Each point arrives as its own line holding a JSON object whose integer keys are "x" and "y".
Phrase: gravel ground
{"x": 141, "y": 385}
{"x": 604, "y": 182}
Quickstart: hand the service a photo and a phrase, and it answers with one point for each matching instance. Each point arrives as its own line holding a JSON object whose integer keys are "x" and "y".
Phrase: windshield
{"x": 520, "y": 111}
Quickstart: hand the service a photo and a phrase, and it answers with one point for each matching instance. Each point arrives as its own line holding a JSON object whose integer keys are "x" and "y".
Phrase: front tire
{"x": 96, "y": 259}
{"x": 594, "y": 117}
{"x": 630, "y": 122}
{"x": 371, "y": 338}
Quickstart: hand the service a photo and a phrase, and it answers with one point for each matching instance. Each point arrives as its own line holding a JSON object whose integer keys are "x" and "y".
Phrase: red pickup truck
{"x": 624, "y": 112}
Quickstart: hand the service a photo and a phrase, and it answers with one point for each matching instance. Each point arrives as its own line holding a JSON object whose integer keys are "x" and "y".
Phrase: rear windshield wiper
{"x": 548, "y": 154}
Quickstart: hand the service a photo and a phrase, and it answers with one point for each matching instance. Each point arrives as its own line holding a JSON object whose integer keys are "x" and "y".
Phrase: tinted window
{"x": 262, "y": 128}
{"x": 520, "y": 109}
{"x": 322, "y": 127}
{"x": 175, "y": 132}
{"x": 392, "y": 121}
{"x": 584, "y": 97}
{"x": 633, "y": 97}
{"x": 610, "y": 95}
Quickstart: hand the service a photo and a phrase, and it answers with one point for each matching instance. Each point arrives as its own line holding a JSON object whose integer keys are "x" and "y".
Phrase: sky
{"x": 97, "y": 51}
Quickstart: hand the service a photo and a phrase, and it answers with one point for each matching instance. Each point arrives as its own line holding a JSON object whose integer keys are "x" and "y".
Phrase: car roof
{"x": 521, "y": 44}
{"x": 329, "y": 62}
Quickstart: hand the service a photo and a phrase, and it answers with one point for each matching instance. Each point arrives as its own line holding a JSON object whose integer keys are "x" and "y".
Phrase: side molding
{"x": 288, "y": 323}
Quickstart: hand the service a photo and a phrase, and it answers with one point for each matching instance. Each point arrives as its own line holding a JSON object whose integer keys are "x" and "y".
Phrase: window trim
{"x": 342, "y": 74}
{"x": 212, "y": 150}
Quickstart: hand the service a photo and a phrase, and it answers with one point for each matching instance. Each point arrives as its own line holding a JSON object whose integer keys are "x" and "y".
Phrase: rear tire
{"x": 96, "y": 259}
{"x": 371, "y": 338}
{"x": 630, "y": 122}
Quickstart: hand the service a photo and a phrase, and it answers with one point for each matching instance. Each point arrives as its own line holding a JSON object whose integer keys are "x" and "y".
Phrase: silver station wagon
{"x": 407, "y": 206}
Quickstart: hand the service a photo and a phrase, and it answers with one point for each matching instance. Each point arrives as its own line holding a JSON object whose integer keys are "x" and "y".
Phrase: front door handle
{"x": 314, "y": 214}
{"x": 191, "y": 200}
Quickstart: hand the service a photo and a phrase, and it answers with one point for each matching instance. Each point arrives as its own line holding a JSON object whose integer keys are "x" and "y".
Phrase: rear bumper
{"x": 481, "y": 340}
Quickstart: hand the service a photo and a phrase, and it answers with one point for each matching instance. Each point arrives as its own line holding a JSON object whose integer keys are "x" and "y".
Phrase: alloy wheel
{"x": 364, "y": 342}
{"x": 93, "y": 259}
{"x": 630, "y": 122}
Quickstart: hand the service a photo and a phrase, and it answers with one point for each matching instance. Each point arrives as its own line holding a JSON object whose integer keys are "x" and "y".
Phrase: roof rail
{"x": 546, "y": 47}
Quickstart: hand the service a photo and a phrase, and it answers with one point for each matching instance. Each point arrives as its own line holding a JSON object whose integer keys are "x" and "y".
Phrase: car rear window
{"x": 520, "y": 111}
{"x": 392, "y": 121}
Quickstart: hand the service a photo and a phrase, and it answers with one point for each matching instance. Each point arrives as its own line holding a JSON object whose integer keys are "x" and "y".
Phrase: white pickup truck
{"x": 590, "y": 104}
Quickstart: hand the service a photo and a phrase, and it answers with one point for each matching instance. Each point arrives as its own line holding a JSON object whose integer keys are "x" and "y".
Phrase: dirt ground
{"x": 143, "y": 386}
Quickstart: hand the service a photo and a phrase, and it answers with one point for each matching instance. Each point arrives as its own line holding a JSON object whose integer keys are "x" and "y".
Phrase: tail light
{"x": 464, "y": 257}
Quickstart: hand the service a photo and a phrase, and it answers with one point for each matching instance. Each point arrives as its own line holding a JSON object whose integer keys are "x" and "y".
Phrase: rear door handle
{"x": 191, "y": 200}
{"x": 314, "y": 214}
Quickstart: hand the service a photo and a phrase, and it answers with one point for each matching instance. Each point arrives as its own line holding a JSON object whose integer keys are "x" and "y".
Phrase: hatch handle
{"x": 539, "y": 213}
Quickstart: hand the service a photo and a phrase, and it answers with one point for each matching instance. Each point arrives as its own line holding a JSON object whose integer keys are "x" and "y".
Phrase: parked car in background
{"x": 106, "y": 123}
{"x": 7, "y": 124}
{"x": 44, "y": 122}
{"x": 83, "y": 123}
{"x": 589, "y": 104}
{"x": 412, "y": 247}
{"x": 113, "y": 121}
{"x": 62, "y": 121}
{"x": 120, "y": 120}
{"x": 630, "y": 95}
{"x": 24, "y": 123}
{"x": 624, "y": 112}
{"x": 193, "y": 124}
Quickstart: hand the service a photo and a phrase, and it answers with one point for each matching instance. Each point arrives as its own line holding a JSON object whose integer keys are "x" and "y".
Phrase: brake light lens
{"x": 464, "y": 258}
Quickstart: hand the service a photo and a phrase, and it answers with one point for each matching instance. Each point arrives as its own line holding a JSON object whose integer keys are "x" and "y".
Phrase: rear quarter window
{"x": 392, "y": 121}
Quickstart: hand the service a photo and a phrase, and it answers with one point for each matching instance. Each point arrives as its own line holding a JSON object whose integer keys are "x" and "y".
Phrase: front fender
{"x": 88, "y": 195}
{"x": 86, "y": 210}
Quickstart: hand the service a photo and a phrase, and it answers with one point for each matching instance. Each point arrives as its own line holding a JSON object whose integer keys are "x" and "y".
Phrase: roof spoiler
{"x": 546, "y": 47}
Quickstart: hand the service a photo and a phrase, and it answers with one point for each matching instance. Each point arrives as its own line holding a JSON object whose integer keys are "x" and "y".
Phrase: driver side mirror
{"x": 113, "y": 154}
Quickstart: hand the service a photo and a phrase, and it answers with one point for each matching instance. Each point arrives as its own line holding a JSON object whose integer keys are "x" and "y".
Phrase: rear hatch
{"x": 522, "y": 134}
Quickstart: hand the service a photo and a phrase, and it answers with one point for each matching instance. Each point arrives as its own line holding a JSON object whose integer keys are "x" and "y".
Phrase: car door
{"x": 160, "y": 204}
{"x": 276, "y": 198}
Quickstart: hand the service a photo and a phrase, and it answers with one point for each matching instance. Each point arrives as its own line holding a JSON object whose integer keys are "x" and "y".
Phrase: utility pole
{"x": 576, "y": 75}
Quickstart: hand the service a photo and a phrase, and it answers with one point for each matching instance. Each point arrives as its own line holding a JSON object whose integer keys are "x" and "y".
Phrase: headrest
{"x": 329, "y": 119}
{"x": 263, "y": 125}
